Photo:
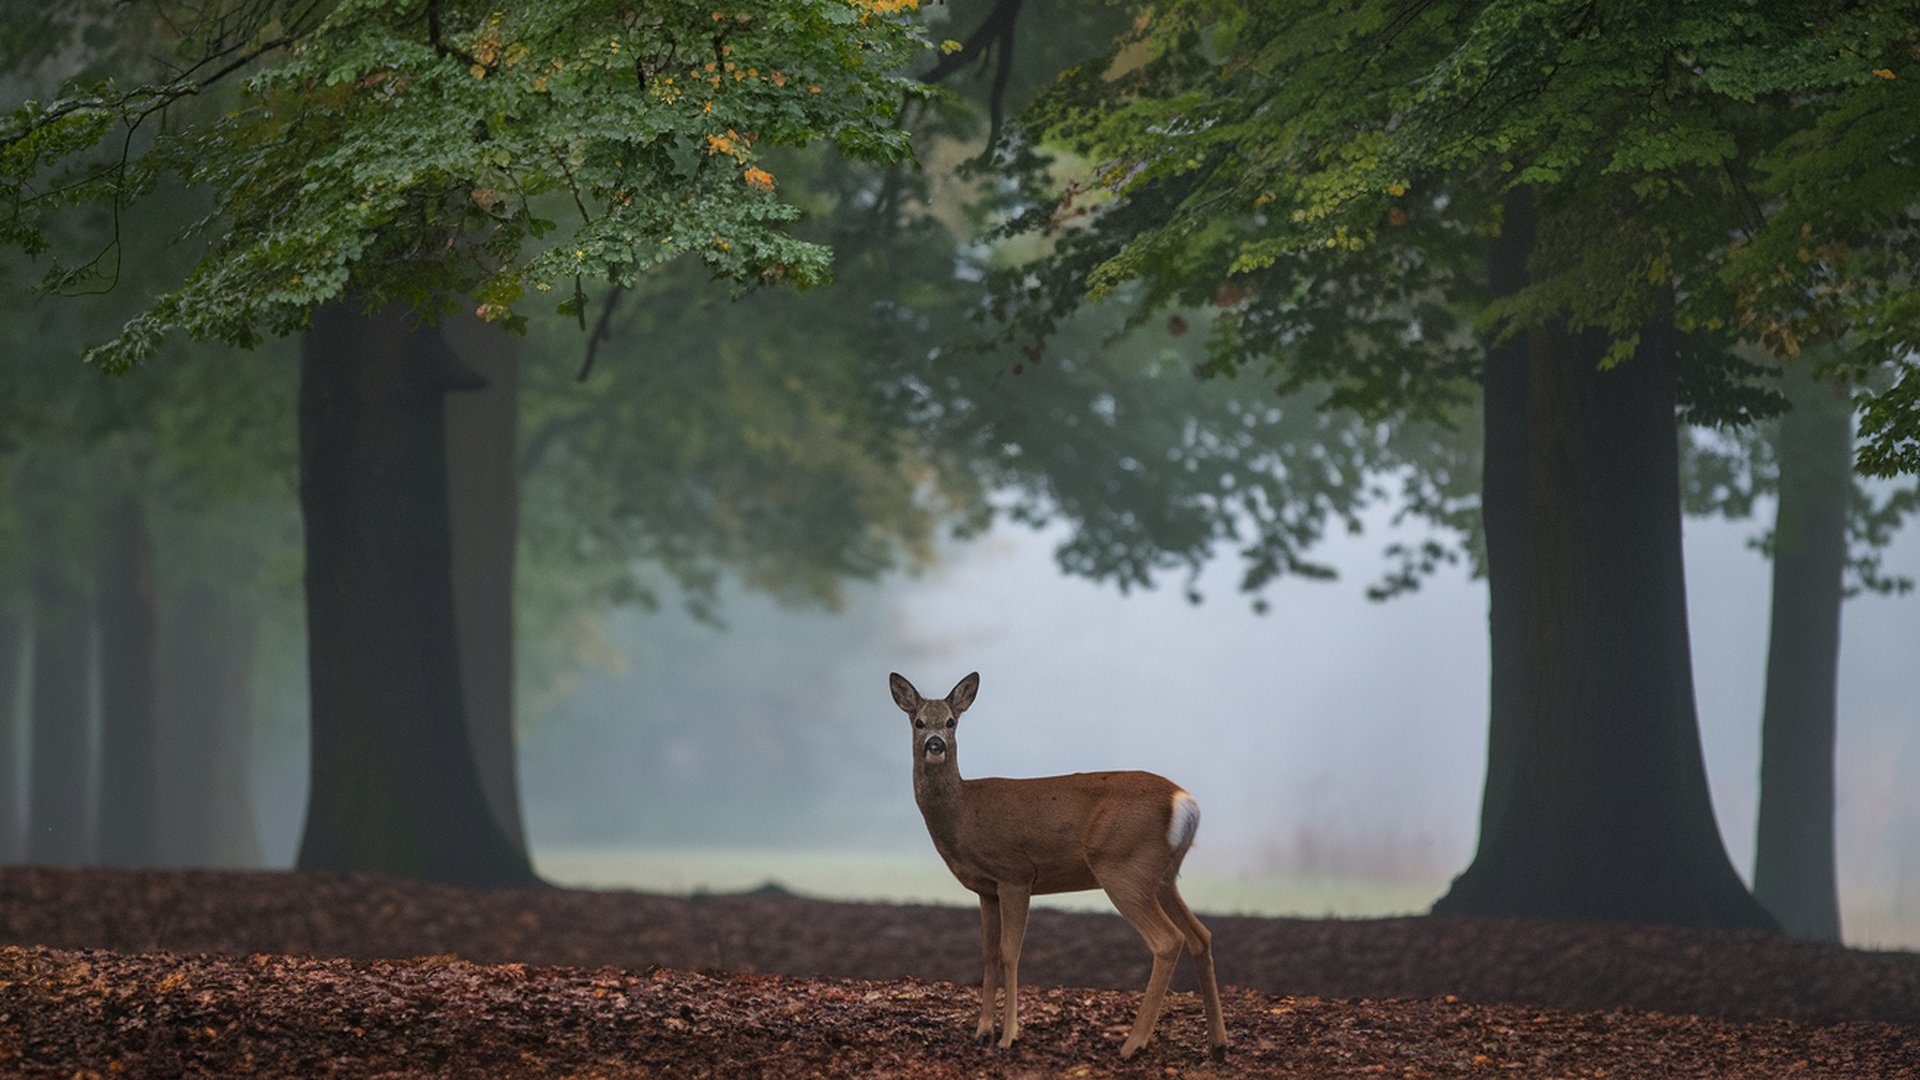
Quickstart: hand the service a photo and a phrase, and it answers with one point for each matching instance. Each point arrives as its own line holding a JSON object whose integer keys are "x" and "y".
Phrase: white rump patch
{"x": 1186, "y": 821}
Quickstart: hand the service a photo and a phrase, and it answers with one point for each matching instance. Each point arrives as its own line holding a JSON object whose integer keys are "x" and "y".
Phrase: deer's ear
{"x": 904, "y": 695}
{"x": 962, "y": 693}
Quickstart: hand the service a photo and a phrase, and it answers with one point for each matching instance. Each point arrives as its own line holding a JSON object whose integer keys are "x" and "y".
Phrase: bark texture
{"x": 483, "y": 481}
{"x": 1503, "y": 509}
{"x": 1793, "y": 867}
{"x": 1596, "y": 804}
{"x": 394, "y": 787}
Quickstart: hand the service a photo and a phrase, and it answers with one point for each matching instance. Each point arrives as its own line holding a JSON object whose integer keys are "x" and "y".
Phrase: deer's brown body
{"x": 1010, "y": 840}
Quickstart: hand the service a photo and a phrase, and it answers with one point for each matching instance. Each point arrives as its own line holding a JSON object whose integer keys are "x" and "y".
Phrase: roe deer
{"x": 1009, "y": 840}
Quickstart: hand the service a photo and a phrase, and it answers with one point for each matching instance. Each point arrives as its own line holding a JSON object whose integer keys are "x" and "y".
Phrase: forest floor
{"x": 165, "y": 973}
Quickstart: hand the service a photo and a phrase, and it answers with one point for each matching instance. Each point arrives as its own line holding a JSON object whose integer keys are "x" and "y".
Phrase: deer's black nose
{"x": 935, "y": 745}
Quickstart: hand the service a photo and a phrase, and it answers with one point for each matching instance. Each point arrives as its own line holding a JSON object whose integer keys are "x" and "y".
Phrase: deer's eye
{"x": 949, "y": 723}
{"x": 917, "y": 722}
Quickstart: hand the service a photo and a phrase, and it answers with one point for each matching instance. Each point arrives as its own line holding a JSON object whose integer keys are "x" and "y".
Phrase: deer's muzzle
{"x": 935, "y": 748}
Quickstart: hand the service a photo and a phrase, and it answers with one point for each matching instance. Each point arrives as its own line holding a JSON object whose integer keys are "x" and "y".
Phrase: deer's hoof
{"x": 985, "y": 1038}
{"x": 1130, "y": 1048}
{"x": 1218, "y": 1054}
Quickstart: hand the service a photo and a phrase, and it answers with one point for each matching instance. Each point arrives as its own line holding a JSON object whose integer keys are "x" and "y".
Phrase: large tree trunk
{"x": 60, "y": 760}
{"x": 206, "y": 712}
{"x": 483, "y": 481}
{"x": 127, "y": 615}
{"x": 1793, "y": 866}
{"x": 394, "y": 787}
{"x": 1605, "y": 813}
{"x": 13, "y": 743}
{"x": 1503, "y": 513}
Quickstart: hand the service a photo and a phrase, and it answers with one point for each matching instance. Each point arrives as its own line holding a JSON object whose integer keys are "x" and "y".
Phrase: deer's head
{"x": 933, "y": 720}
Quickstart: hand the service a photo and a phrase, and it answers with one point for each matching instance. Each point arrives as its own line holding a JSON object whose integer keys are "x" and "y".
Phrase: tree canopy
{"x": 1321, "y": 171}
{"x": 424, "y": 152}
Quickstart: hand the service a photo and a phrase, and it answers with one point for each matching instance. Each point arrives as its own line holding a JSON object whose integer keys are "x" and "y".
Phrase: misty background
{"x": 1336, "y": 744}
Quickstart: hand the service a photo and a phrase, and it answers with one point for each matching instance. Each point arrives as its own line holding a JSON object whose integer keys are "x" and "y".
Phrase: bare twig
{"x": 602, "y": 330}
{"x": 994, "y": 36}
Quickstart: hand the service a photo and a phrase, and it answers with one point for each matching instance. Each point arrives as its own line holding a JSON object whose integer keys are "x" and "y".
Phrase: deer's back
{"x": 1054, "y": 833}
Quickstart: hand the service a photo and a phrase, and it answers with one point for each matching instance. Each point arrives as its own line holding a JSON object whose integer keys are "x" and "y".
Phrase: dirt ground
{"x": 223, "y": 973}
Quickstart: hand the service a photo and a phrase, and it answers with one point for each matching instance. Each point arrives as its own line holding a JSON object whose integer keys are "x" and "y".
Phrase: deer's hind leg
{"x": 1140, "y": 905}
{"x": 1200, "y": 944}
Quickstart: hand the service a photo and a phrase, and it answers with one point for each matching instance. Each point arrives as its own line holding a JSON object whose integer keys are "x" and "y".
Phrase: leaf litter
{"x": 216, "y": 973}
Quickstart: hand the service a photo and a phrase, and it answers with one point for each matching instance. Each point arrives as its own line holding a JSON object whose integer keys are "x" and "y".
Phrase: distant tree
{"x": 1340, "y": 170}
{"x": 1793, "y": 869}
{"x": 13, "y": 643}
{"x": 16, "y": 636}
{"x": 222, "y": 504}
{"x": 57, "y": 534}
{"x": 1825, "y": 544}
{"x": 127, "y": 622}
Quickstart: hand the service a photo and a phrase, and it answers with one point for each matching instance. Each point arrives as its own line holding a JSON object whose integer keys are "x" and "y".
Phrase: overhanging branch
{"x": 993, "y": 38}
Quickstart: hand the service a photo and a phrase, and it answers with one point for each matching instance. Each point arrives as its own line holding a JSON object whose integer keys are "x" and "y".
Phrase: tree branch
{"x": 994, "y": 35}
{"x": 602, "y": 330}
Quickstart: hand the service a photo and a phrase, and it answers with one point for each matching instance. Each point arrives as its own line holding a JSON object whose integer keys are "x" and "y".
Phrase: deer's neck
{"x": 937, "y": 788}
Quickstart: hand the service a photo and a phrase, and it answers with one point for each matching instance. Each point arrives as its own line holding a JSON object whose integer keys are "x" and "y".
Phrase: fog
{"x": 1335, "y": 744}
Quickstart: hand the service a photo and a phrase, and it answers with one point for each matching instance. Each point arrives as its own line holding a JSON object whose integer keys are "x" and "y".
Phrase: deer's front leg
{"x": 990, "y": 953}
{"x": 1013, "y": 928}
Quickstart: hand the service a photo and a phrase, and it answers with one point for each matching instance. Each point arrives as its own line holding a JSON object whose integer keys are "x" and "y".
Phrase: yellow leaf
{"x": 1883, "y": 73}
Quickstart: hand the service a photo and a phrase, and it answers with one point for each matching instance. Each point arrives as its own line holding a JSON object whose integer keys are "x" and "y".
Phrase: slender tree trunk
{"x": 60, "y": 760}
{"x": 206, "y": 698}
{"x": 484, "y": 485}
{"x": 128, "y": 617}
{"x": 394, "y": 786}
{"x": 1793, "y": 866}
{"x": 1606, "y": 813}
{"x": 13, "y": 742}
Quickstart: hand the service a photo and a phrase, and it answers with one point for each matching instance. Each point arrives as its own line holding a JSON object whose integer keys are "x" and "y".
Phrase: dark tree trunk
{"x": 13, "y": 742}
{"x": 483, "y": 481}
{"x": 1793, "y": 866}
{"x": 127, "y": 615}
{"x": 60, "y": 760}
{"x": 1607, "y": 814}
{"x": 206, "y": 712}
{"x": 1503, "y": 512}
{"x": 394, "y": 786}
